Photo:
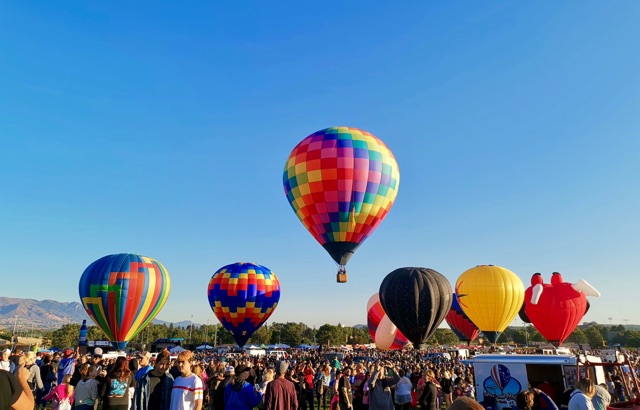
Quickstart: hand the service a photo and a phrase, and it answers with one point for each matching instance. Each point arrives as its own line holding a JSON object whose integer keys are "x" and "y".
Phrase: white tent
{"x": 177, "y": 349}
{"x": 204, "y": 347}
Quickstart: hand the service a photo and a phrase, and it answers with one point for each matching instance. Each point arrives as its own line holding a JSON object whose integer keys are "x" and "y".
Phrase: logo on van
{"x": 501, "y": 384}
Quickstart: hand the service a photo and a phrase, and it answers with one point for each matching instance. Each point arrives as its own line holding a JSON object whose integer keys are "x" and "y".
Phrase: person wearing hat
{"x": 96, "y": 359}
{"x": 153, "y": 390}
{"x": 239, "y": 394}
{"x": 281, "y": 393}
{"x": 67, "y": 364}
{"x": 218, "y": 396}
{"x": 144, "y": 359}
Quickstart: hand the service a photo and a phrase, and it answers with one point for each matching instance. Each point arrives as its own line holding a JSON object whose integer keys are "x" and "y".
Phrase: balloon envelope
{"x": 384, "y": 333}
{"x": 341, "y": 182}
{"x": 417, "y": 301}
{"x": 559, "y": 309}
{"x": 460, "y": 323}
{"x": 122, "y": 294}
{"x": 491, "y": 297}
{"x": 243, "y": 296}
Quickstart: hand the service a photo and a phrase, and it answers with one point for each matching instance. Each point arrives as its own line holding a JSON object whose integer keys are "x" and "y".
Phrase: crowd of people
{"x": 303, "y": 380}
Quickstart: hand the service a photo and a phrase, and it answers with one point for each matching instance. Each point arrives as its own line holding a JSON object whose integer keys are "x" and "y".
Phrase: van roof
{"x": 525, "y": 358}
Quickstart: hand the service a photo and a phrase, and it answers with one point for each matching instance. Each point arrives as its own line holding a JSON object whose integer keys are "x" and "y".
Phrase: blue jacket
{"x": 240, "y": 396}
{"x": 141, "y": 395}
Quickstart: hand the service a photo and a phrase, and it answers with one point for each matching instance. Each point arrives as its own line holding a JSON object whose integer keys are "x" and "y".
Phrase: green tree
{"x": 594, "y": 337}
{"x": 578, "y": 336}
{"x": 66, "y": 336}
{"x": 329, "y": 334}
{"x": 446, "y": 337}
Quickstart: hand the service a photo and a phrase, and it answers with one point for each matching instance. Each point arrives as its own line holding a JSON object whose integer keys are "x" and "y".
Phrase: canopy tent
{"x": 204, "y": 347}
{"x": 305, "y": 346}
{"x": 177, "y": 349}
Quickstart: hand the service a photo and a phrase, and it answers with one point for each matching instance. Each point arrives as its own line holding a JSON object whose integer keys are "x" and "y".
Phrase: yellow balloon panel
{"x": 491, "y": 296}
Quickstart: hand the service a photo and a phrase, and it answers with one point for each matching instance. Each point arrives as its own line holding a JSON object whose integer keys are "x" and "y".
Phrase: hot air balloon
{"x": 243, "y": 296}
{"x": 417, "y": 301}
{"x": 500, "y": 375}
{"x": 556, "y": 308}
{"x": 122, "y": 294}
{"x": 460, "y": 323}
{"x": 341, "y": 182}
{"x": 384, "y": 333}
{"x": 491, "y": 297}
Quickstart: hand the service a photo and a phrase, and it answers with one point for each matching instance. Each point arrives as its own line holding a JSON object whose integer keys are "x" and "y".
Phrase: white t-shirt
{"x": 185, "y": 392}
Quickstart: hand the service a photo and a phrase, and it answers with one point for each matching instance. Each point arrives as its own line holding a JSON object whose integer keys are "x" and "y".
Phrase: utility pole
{"x": 14, "y": 340}
{"x": 191, "y": 329}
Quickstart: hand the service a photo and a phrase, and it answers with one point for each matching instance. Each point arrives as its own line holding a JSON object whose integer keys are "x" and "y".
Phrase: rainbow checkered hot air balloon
{"x": 243, "y": 296}
{"x": 122, "y": 294}
{"x": 341, "y": 182}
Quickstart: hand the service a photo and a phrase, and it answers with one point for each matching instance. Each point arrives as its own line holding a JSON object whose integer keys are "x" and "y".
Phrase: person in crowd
{"x": 403, "y": 391}
{"x": 240, "y": 394}
{"x": 114, "y": 387}
{"x": 429, "y": 398}
{"x": 96, "y": 359}
{"x": 345, "y": 394}
{"x": 76, "y": 377}
{"x": 187, "y": 392}
{"x": 323, "y": 386}
{"x": 62, "y": 394}
{"x": 6, "y": 363}
{"x": 470, "y": 391}
{"x": 48, "y": 376}
{"x": 218, "y": 399}
{"x": 525, "y": 400}
{"x": 447, "y": 388}
{"x": 35, "y": 380}
{"x": 581, "y": 397}
{"x": 67, "y": 364}
{"x": 380, "y": 383}
{"x": 601, "y": 398}
{"x": 85, "y": 394}
{"x": 280, "y": 394}
{"x": 14, "y": 390}
{"x": 144, "y": 365}
{"x": 153, "y": 390}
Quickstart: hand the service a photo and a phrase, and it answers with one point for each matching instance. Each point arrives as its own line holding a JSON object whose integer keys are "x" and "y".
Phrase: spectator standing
{"x": 153, "y": 390}
{"x": 85, "y": 394}
{"x": 280, "y": 394}
{"x": 114, "y": 387}
{"x": 187, "y": 392}
{"x": 581, "y": 397}
{"x": 240, "y": 394}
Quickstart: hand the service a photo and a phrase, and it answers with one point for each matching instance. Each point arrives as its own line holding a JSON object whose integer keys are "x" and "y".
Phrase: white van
{"x": 114, "y": 355}
{"x": 278, "y": 354}
{"x": 499, "y": 378}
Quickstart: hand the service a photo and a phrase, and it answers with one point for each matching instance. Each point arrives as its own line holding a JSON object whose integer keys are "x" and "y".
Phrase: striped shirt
{"x": 186, "y": 391}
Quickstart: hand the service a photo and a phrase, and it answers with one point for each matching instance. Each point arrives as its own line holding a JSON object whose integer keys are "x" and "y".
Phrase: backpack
{"x": 64, "y": 405}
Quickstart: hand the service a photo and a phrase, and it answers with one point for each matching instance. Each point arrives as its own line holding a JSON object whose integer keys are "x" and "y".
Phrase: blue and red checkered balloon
{"x": 243, "y": 296}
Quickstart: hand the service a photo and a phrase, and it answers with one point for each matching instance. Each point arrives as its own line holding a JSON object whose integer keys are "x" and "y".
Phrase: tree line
{"x": 295, "y": 334}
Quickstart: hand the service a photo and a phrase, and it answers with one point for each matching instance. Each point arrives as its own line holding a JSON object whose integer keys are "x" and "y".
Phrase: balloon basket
{"x": 341, "y": 277}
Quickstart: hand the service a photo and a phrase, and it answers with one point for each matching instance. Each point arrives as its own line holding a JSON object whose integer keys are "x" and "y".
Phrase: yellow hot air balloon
{"x": 491, "y": 296}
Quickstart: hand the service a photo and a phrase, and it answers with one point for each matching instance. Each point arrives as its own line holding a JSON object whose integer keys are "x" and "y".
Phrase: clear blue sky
{"x": 162, "y": 129}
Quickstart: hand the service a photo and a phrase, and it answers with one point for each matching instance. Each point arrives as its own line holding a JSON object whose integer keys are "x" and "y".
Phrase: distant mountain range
{"x": 48, "y": 314}
{"x": 43, "y": 314}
